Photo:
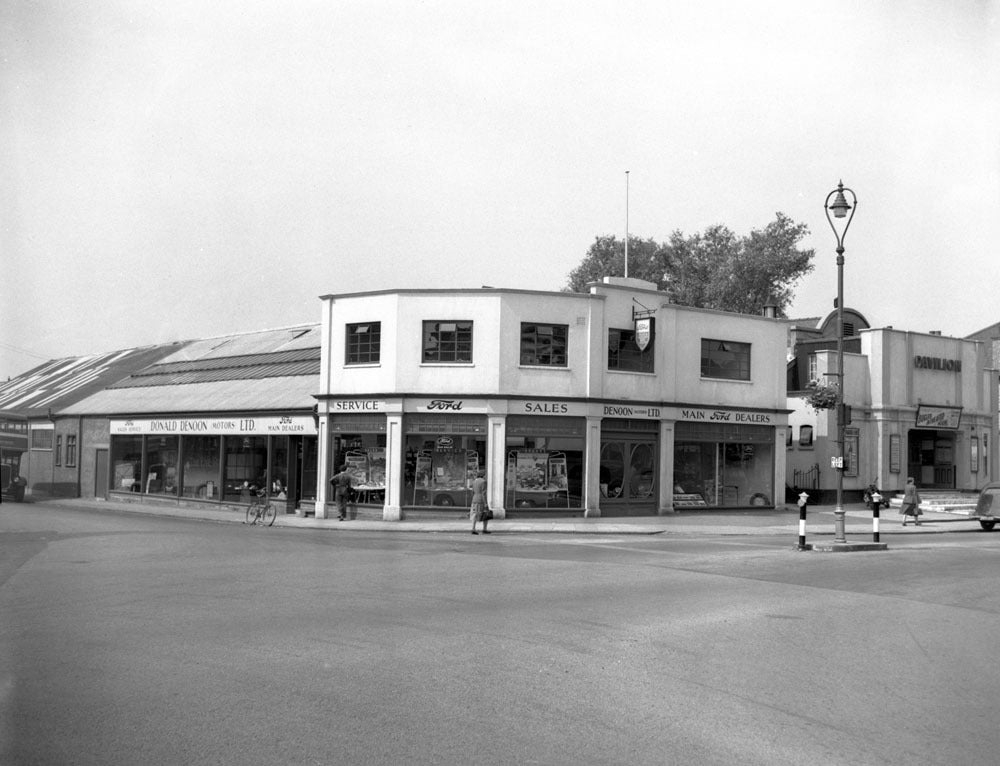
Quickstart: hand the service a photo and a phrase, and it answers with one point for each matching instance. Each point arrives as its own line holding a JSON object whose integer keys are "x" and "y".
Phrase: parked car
{"x": 988, "y": 506}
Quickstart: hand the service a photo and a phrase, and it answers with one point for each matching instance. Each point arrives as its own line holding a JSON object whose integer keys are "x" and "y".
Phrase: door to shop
{"x": 628, "y": 470}
{"x": 932, "y": 459}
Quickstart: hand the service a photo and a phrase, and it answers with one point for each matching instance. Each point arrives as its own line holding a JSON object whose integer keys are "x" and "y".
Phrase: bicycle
{"x": 261, "y": 509}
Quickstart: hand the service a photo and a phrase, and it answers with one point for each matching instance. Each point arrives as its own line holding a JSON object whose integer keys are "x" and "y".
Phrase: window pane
{"x": 728, "y": 360}
{"x": 126, "y": 457}
{"x": 447, "y": 342}
{"x": 543, "y": 344}
{"x": 201, "y": 467}
{"x": 364, "y": 343}
{"x": 624, "y": 353}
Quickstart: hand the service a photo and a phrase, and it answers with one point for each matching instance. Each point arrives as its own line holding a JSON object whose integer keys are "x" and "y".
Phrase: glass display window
{"x": 544, "y": 462}
{"x": 278, "y": 469}
{"x": 439, "y": 469}
{"x": 364, "y": 454}
{"x": 126, "y": 459}
{"x": 161, "y": 465}
{"x": 724, "y": 467}
{"x": 200, "y": 478}
{"x": 245, "y": 467}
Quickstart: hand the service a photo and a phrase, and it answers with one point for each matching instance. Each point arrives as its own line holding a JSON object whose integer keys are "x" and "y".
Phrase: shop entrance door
{"x": 932, "y": 459}
{"x": 628, "y": 470}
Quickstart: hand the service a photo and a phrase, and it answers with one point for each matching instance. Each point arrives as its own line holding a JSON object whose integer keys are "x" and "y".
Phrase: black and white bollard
{"x": 876, "y": 503}
{"x": 803, "y": 508}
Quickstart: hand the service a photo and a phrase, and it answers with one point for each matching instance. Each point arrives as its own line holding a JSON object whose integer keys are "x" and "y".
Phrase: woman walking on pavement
{"x": 911, "y": 502}
{"x": 478, "y": 510}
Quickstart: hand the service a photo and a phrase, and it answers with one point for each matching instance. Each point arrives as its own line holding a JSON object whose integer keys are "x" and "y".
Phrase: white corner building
{"x": 610, "y": 402}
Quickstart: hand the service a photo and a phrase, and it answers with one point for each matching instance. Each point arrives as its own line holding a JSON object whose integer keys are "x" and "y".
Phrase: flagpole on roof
{"x": 626, "y": 224}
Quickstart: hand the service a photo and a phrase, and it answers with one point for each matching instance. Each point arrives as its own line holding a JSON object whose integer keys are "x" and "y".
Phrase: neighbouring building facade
{"x": 211, "y": 421}
{"x": 921, "y": 405}
{"x": 611, "y": 402}
{"x": 42, "y": 445}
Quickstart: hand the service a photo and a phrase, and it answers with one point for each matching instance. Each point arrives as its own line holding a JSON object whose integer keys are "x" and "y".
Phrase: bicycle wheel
{"x": 253, "y": 510}
{"x": 269, "y": 514}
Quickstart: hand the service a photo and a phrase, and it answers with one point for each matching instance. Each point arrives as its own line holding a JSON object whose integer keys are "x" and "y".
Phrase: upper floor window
{"x": 41, "y": 438}
{"x": 813, "y": 373}
{"x": 805, "y": 436}
{"x": 625, "y": 354}
{"x": 448, "y": 342}
{"x": 543, "y": 344}
{"x": 725, "y": 359}
{"x": 364, "y": 342}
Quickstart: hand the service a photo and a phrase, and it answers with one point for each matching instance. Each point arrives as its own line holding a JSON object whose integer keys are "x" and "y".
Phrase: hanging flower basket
{"x": 822, "y": 396}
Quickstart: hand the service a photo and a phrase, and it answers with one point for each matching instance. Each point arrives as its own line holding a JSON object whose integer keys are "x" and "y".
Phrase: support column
{"x": 780, "y": 464}
{"x": 323, "y": 464}
{"x": 393, "y": 508}
{"x": 496, "y": 450}
{"x": 666, "y": 476}
{"x": 592, "y": 487}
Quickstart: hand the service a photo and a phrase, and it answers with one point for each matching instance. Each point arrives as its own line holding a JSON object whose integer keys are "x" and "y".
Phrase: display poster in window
{"x": 450, "y": 469}
{"x": 558, "y": 479}
{"x": 424, "y": 469}
{"x": 357, "y": 464}
{"x": 471, "y": 467}
{"x": 376, "y": 469}
{"x": 532, "y": 470}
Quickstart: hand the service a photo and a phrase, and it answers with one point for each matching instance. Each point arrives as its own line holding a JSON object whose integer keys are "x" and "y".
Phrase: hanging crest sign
{"x": 643, "y": 332}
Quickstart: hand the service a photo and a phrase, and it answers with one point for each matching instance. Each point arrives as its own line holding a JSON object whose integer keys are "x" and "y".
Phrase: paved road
{"x": 129, "y": 638}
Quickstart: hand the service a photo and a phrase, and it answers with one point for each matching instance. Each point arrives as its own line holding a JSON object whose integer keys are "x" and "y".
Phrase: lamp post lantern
{"x": 843, "y": 213}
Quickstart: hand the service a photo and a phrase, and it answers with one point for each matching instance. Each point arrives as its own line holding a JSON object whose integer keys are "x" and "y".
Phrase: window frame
{"x": 806, "y": 436}
{"x": 57, "y": 452}
{"x": 646, "y": 356}
{"x": 558, "y": 347}
{"x": 741, "y": 355}
{"x": 449, "y": 350}
{"x": 71, "y": 450}
{"x": 366, "y": 351}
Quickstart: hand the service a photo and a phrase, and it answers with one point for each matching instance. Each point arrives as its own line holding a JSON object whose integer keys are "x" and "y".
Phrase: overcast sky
{"x": 187, "y": 169}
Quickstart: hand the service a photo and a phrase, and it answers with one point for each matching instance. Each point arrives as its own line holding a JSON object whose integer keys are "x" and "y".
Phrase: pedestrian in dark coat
{"x": 911, "y": 502}
{"x": 341, "y": 482}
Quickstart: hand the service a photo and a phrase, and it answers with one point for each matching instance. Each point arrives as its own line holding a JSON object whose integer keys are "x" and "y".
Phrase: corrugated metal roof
{"x": 61, "y": 382}
{"x": 254, "y": 372}
{"x": 286, "y": 393}
{"x": 247, "y": 367}
{"x": 250, "y": 343}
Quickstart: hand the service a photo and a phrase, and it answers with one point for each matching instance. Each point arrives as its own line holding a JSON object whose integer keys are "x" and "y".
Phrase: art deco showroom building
{"x": 610, "y": 402}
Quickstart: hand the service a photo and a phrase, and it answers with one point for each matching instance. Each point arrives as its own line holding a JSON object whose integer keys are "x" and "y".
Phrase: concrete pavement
{"x": 781, "y": 521}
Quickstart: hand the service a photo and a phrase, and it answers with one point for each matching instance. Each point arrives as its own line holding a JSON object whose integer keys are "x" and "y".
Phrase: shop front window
{"x": 364, "y": 455}
{"x": 279, "y": 467}
{"x": 724, "y": 467}
{"x": 544, "y": 462}
{"x": 161, "y": 465}
{"x": 201, "y": 467}
{"x": 126, "y": 457}
{"x": 439, "y": 469}
{"x": 245, "y": 467}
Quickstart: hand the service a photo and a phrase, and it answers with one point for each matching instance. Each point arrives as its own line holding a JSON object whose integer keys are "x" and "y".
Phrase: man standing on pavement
{"x": 341, "y": 483}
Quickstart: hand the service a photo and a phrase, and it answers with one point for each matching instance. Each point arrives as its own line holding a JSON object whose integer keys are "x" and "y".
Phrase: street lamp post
{"x": 843, "y": 213}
